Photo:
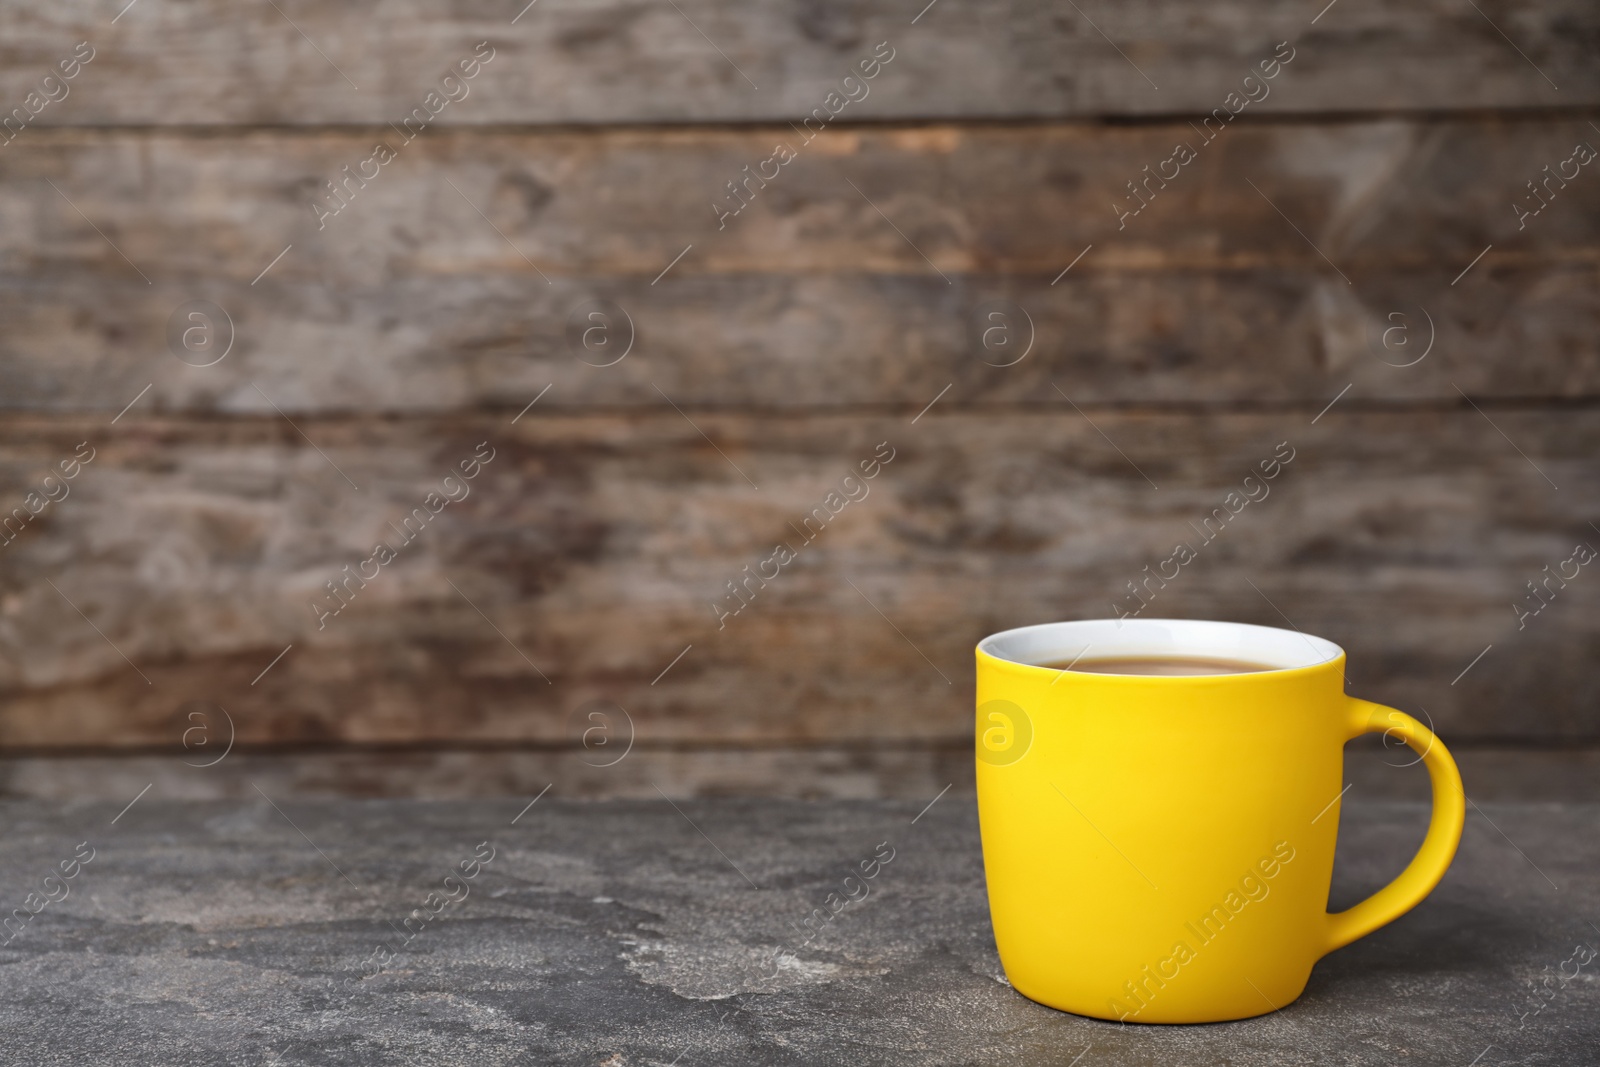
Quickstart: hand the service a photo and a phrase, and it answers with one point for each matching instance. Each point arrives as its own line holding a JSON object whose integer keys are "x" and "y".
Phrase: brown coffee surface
{"x": 1160, "y": 666}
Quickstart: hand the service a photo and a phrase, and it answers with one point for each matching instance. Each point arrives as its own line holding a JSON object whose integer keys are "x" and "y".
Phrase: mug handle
{"x": 1427, "y": 867}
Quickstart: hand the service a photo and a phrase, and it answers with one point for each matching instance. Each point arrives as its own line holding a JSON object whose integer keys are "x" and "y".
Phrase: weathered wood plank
{"x": 881, "y": 769}
{"x": 816, "y": 342}
{"x": 595, "y": 548}
{"x": 571, "y": 61}
{"x": 1007, "y": 199}
{"x": 809, "y": 298}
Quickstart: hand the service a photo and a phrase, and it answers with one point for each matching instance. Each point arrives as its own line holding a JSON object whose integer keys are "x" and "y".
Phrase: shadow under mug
{"x": 1159, "y": 849}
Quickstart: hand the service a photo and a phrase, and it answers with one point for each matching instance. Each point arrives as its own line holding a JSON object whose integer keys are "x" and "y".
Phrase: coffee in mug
{"x": 1159, "y": 666}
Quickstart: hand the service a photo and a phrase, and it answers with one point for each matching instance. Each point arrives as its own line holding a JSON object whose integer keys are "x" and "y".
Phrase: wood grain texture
{"x": 817, "y": 295}
{"x": 592, "y": 548}
{"x": 571, "y": 61}
{"x": 1371, "y": 192}
{"x": 880, "y": 769}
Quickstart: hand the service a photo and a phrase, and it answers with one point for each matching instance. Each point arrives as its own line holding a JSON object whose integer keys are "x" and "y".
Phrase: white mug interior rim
{"x": 1059, "y": 642}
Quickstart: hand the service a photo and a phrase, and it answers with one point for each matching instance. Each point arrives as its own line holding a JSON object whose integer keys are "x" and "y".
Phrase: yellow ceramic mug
{"x": 1159, "y": 849}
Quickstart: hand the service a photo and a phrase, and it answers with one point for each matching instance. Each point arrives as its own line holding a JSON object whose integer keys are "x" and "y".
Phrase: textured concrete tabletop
{"x": 638, "y": 933}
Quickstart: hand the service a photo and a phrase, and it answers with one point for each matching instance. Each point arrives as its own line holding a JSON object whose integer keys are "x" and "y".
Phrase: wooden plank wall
{"x": 1276, "y": 290}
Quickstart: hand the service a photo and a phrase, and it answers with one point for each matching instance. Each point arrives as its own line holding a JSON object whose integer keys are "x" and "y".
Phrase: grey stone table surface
{"x": 637, "y": 933}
